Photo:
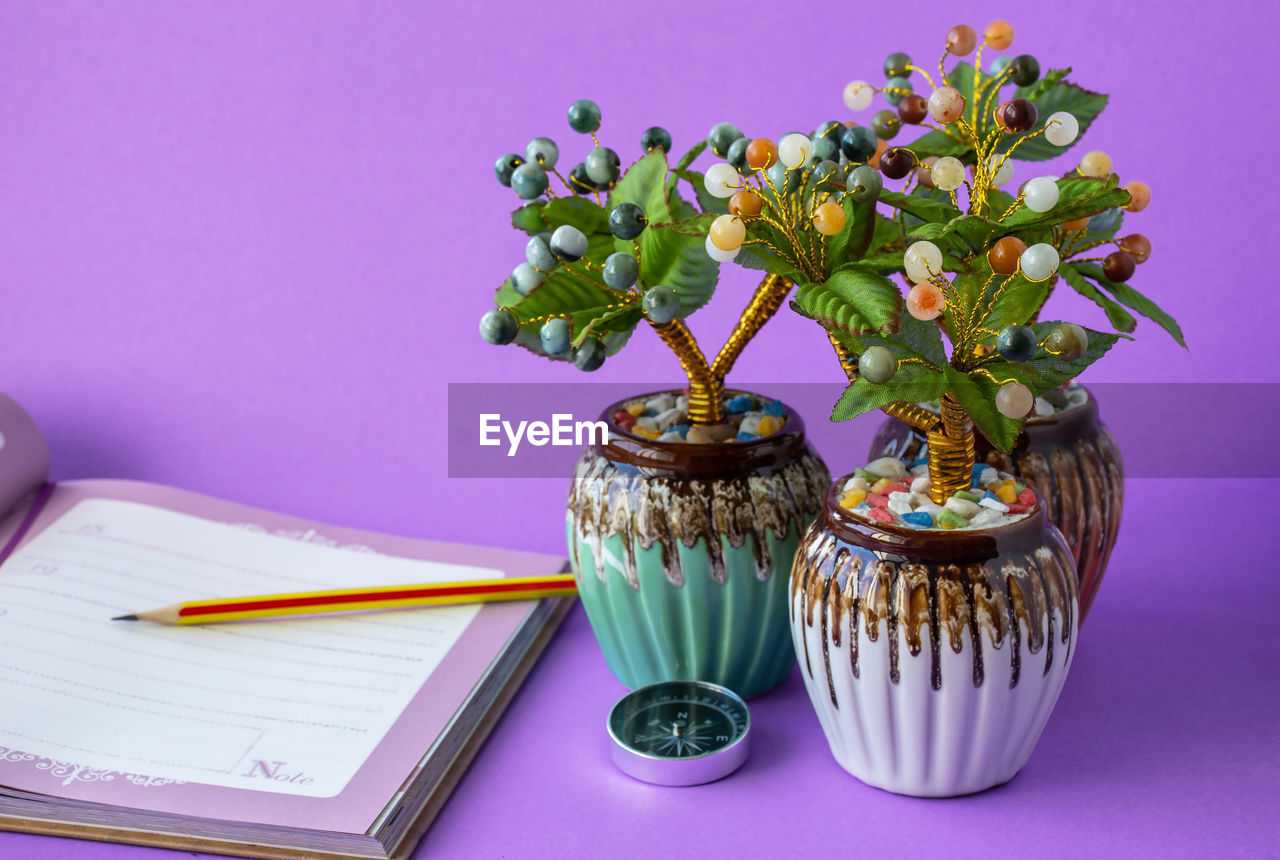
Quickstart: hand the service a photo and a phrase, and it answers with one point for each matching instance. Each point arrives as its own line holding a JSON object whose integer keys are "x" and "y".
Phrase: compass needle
{"x": 679, "y": 732}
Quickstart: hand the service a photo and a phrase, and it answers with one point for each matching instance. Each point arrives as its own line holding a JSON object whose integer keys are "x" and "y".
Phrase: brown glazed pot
{"x": 681, "y": 553}
{"x": 1073, "y": 460}
{"x": 933, "y": 658}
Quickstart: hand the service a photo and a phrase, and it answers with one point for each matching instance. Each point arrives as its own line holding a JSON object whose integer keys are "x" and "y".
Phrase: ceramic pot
{"x": 933, "y": 658}
{"x": 1073, "y": 460}
{"x": 681, "y": 553}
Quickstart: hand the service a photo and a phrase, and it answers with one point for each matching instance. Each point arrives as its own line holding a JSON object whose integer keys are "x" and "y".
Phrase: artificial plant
{"x": 613, "y": 249}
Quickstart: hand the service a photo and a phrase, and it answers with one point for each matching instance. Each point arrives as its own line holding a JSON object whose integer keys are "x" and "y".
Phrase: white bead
{"x": 857, "y": 95}
{"x": 1014, "y": 400}
{"x": 1039, "y": 263}
{"x": 947, "y": 173}
{"x": 794, "y": 150}
{"x": 721, "y": 256}
{"x": 1061, "y": 128}
{"x": 1041, "y": 194}
{"x": 722, "y": 180}
{"x": 922, "y": 261}
{"x": 1005, "y": 173}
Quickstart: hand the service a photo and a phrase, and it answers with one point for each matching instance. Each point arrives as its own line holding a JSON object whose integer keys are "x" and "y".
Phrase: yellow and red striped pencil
{"x": 349, "y": 599}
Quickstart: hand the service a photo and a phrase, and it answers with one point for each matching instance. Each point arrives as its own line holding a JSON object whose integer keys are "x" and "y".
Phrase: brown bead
{"x": 1118, "y": 266}
{"x": 1004, "y": 255}
{"x": 1138, "y": 245}
{"x": 913, "y": 109}
{"x": 998, "y": 116}
{"x": 961, "y": 40}
{"x": 924, "y": 172}
{"x": 1078, "y": 224}
{"x": 896, "y": 163}
{"x": 999, "y": 35}
{"x": 745, "y": 202}
{"x": 762, "y": 153}
{"x": 1019, "y": 114}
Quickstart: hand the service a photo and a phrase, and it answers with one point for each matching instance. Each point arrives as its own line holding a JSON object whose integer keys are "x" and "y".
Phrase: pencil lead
{"x": 125, "y": 618}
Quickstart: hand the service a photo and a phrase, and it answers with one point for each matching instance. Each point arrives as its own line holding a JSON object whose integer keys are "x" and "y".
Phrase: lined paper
{"x": 288, "y": 706}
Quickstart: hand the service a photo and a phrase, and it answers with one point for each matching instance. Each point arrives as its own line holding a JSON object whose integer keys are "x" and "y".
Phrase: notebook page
{"x": 286, "y": 706}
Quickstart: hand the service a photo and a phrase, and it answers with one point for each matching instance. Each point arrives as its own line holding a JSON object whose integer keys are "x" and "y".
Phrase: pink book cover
{"x": 33, "y": 767}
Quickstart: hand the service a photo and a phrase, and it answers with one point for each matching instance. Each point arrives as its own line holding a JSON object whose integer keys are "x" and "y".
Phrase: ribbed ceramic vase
{"x": 682, "y": 551}
{"x": 1073, "y": 460}
{"x": 932, "y": 657}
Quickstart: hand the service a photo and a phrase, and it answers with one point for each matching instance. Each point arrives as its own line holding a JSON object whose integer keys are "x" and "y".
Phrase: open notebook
{"x": 290, "y": 738}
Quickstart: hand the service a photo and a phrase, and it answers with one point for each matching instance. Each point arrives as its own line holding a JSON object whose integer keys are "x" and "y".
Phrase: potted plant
{"x": 681, "y": 527}
{"x": 1065, "y": 449}
{"x": 934, "y": 603}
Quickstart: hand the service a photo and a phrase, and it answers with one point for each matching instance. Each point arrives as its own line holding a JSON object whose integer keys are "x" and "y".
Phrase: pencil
{"x": 349, "y": 599}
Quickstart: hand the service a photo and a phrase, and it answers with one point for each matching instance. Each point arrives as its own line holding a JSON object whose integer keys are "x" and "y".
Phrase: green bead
{"x": 584, "y": 116}
{"x": 627, "y": 221}
{"x": 858, "y": 143}
{"x": 1016, "y": 342}
{"x": 1025, "y": 70}
{"x": 529, "y": 181}
{"x": 1067, "y": 342}
{"x": 998, "y": 65}
{"x": 589, "y": 355}
{"x": 895, "y": 65}
{"x": 832, "y": 131}
{"x": 864, "y": 183}
{"x": 620, "y": 270}
{"x": 877, "y": 365}
{"x": 542, "y": 151}
{"x": 661, "y": 304}
{"x": 555, "y": 336}
{"x": 505, "y": 166}
{"x": 602, "y": 166}
{"x": 896, "y": 84}
{"x": 499, "y": 326}
{"x": 721, "y": 136}
{"x": 737, "y": 155}
{"x": 885, "y": 124}
{"x": 655, "y": 137}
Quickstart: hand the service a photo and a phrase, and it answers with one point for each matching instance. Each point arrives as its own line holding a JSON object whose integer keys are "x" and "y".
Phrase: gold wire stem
{"x": 913, "y": 68}
{"x": 951, "y": 452}
{"x": 705, "y": 389}
{"x": 1080, "y": 249}
{"x": 768, "y": 298}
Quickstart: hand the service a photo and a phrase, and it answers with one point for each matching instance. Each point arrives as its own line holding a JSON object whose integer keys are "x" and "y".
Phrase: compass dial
{"x": 679, "y": 732}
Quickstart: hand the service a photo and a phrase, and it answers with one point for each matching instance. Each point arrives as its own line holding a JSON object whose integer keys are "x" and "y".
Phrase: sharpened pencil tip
{"x": 125, "y": 618}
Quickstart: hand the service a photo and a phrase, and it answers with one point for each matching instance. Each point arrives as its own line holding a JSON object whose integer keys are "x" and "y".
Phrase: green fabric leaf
{"x": 915, "y": 341}
{"x": 1017, "y": 302}
{"x": 1118, "y": 316}
{"x": 645, "y": 184}
{"x": 977, "y": 394}
{"x": 676, "y": 256}
{"x": 529, "y": 219}
{"x": 1131, "y": 298}
{"x": 939, "y": 143}
{"x": 760, "y": 258}
{"x": 1084, "y": 105}
{"x": 507, "y": 296}
{"x": 707, "y": 201}
{"x": 1077, "y": 198}
{"x": 587, "y": 215}
{"x": 853, "y": 301}
{"x": 689, "y": 157}
{"x": 1042, "y": 86}
{"x": 912, "y": 383}
{"x": 922, "y": 207}
{"x": 620, "y": 319}
{"x": 1045, "y": 372}
{"x": 852, "y": 242}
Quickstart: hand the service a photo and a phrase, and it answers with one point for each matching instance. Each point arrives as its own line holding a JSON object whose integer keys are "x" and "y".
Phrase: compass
{"x": 679, "y": 732}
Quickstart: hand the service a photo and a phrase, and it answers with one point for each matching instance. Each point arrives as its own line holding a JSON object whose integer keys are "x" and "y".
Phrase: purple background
{"x": 245, "y": 245}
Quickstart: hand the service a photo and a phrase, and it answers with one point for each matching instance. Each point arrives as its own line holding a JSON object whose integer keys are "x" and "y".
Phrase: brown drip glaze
{"x": 1012, "y": 583}
{"x": 1073, "y": 461}
{"x": 673, "y": 494}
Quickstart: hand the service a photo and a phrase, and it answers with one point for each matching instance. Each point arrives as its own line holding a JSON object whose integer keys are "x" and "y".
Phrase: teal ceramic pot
{"x": 682, "y": 553}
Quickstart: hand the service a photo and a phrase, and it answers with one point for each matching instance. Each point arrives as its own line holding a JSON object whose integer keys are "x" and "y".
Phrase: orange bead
{"x": 925, "y": 301}
{"x": 1096, "y": 165}
{"x": 1139, "y": 194}
{"x": 999, "y": 35}
{"x": 762, "y": 153}
{"x": 998, "y": 116}
{"x": 961, "y": 40}
{"x": 1138, "y": 245}
{"x": 1004, "y": 255}
{"x": 828, "y": 219}
{"x": 745, "y": 202}
{"x": 1078, "y": 224}
{"x": 881, "y": 146}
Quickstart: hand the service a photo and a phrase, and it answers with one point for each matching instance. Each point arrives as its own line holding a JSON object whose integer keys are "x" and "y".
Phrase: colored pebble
{"x": 853, "y": 498}
{"x": 645, "y": 432}
{"x": 670, "y": 436}
{"x": 879, "y": 486}
{"x": 1027, "y": 497}
{"x": 738, "y": 404}
{"x": 775, "y": 408}
{"x": 880, "y": 515}
{"x": 769, "y": 425}
{"x": 1005, "y": 493}
{"x": 967, "y": 496}
{"x": 900, "y": 503}
{"x": 887, "y": 467}
{"x": 987, "y": 477}
{"x": 922, "y": 461}
{"x": 869, "y": 477}
{"x": 961, "y": 507}
{"x": 1016, "y": 508}
{"x": 682, "y": 429}
{"x": 747, "y": 437}
{"x": 948, "y": 517}
{"x": 635, "y": 408}
{"x": 991, "y": 502}
{"x": 624, "y": 419}
{"x": 855, "y": 483}
{"x": 647, "y": 421}
{"x": 877, "y": 501}
{"x": 921, "y": 484}
{"x": 919, "y": 519}
{"x": 668, "y": 419}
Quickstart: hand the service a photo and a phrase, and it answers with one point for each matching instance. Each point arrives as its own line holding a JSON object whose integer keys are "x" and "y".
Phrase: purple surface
{"x": 246, "y": 244}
